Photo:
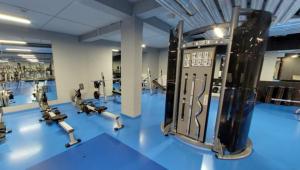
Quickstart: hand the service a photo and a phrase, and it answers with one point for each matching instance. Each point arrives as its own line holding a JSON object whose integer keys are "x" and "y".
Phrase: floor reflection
{"x": 23, "y": 91}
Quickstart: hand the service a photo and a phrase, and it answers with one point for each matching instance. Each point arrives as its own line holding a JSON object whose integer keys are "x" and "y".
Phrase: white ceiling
{"x": 74, "y": 17}
{"x": 77, "y": 17}
{"x": 151, "y": 37}
{"x": 64, "y": 16}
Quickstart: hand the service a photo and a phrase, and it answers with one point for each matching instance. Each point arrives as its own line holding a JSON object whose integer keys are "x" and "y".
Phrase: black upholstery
{"x": 101, "y": 109}
{"x": 59, "y": 117}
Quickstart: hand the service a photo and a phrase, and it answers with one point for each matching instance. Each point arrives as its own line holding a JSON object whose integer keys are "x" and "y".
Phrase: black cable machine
{"x": 189, "y": 83}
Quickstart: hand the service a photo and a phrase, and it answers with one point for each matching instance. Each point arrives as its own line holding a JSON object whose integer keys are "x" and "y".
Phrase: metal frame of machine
{"x": 88, "y": 107}
{"x": 51, "y": 115}
{"x": 178, "y": 95}
{"x": 3, "y": 129}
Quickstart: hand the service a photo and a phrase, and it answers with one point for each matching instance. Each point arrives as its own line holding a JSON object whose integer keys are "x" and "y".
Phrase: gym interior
{"x": 149, "y": 84}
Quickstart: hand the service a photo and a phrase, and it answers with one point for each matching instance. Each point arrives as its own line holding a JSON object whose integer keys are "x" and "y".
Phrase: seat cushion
{"x": 101, "y": 109}
{"x": 59, "y": 117}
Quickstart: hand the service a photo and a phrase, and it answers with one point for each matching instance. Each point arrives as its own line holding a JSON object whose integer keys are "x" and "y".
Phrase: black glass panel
{"x": 171, "y": 78}
{"x": 246, "y": 59}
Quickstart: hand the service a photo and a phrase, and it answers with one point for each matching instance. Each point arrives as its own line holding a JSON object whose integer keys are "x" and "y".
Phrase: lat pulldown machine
{"x": 51, "y": 115}
{"x": 189, "y": 83}
{"x": 89, "y": 107}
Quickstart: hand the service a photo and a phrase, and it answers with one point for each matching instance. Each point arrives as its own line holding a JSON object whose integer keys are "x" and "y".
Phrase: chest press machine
{"x": 53, "y": 115}
{"x": 89, "y": 107}
{"x": 189, "y": 83}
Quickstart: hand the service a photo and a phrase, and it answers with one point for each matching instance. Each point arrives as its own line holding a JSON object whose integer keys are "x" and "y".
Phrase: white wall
{"x": 151, "y": 60}
{"x": 163, "y": 61}
{"x": 74, "y": 62}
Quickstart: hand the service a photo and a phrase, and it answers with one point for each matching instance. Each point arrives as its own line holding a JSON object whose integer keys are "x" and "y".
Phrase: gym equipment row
{"x": 30, "y": 71}
{"x": 90, "y": 107}
{"x": 191, "y": 65}
{"x": 280, "y": 95}
{"x": 53, "y": 115}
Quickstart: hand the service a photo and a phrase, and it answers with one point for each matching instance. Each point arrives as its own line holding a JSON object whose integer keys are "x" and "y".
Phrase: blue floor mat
{"x": 102, "y": 152}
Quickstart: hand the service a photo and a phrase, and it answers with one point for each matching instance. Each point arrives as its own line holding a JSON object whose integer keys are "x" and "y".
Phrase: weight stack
{"x": 246, "y": 59}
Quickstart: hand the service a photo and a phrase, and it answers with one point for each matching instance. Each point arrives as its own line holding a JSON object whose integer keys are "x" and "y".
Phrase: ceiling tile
{"x": 112, "y": 36}
{"x": 68, "y": 27}
{"x": 50, "y": 7}
{"x": 37, "y": 19}
{"x": 148, "y": 31}
{"x": 157, "y": 42}
{"x": 83, "y": 14}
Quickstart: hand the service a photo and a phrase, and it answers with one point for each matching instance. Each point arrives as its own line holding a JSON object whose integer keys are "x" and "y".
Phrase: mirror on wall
{"x": 287, "y": 68}
{"x": 24, "y": 66}
{"x": 116, "y": 64}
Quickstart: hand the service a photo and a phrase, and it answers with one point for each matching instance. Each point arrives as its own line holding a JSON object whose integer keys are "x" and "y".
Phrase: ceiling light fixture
{"x": 115, "y": 50}
{"x": 18, "y": 49}
{"x": 33, "y": 60}
{"x": 295, "y": 56}
{"x": 13, "y": 42}
{"x": 26, "y": 56}
{"x": 219, "y": 32}
{"x": 14, "y": 19}
{"x": 3, "y": 61}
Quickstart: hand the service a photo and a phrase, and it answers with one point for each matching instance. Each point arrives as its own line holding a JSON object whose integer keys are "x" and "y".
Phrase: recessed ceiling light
{"x": 219, "y": 32}
{"x": 33, "y": 60}
{"x": 18, "y": 49}
{"x": 294, "y": 56}
{"x": 115, "y": 50}
{"x": 27, "y": 56}
{"x": 12, "y": 42}
{"x": 3, "y": 61}
{"x": 14, "y": 19}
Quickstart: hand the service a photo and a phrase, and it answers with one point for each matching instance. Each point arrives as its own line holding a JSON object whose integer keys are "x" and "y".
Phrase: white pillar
{"x": 131, "y": 65}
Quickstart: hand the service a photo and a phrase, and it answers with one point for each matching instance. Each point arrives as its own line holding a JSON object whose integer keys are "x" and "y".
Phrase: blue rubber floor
{"x": 23, "y": 91}
{"x": 274, "y": 131}
{"x": 86, "y": 156}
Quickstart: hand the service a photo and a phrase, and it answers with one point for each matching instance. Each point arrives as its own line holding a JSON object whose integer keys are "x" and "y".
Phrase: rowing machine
{"x": 51, "y": 115}
{"x": 89, "y": 107}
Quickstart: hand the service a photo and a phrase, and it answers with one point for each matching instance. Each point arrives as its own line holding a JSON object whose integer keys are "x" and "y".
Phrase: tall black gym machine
{"x": 189, "y": 82}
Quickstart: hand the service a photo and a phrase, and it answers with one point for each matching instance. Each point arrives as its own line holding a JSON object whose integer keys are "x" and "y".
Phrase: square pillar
{"x": 131, "y": 65}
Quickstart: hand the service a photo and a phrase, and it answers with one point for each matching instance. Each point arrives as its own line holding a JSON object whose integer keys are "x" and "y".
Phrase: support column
{"x": 131, "y": 65}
